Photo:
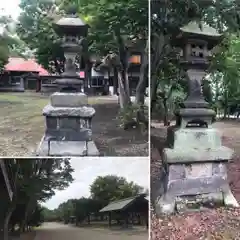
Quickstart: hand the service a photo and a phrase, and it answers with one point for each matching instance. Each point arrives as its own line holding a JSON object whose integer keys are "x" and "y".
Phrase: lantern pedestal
{"x": 194, "y": 172}
{"x": 68, "y": 126}
{"x": 199, "y": 116}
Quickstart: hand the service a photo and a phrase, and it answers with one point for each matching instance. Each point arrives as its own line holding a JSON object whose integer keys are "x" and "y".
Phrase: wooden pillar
{"x": 139, "y": 219}
{"x": 126, "y": 219}
{"x": 109, "y": 219}
{"x": 39, "y": 83}
{"x": 115, "y": 81}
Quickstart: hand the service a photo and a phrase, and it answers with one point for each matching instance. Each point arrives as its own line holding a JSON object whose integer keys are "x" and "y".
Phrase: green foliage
{"x": 103, "y": 190}
{"x": 128, "y": 115}
{"x": 111, "y": 188}
{"x": 221, "y": 89}
{"x": 34, "y": 181}
{"x": 36, "y": 29}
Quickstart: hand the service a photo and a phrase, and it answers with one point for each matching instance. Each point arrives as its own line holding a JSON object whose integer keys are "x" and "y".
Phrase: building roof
{"x": 122, "y": 204}
{"x": 25, "y": 65}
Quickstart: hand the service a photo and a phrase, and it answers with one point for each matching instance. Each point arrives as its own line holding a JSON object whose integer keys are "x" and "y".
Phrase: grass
{"x": 21, "y": 122}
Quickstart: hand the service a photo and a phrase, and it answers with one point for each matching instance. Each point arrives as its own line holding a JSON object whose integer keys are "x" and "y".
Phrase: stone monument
{"x": 68, "y": 116}
{"x": 194, "y": 172}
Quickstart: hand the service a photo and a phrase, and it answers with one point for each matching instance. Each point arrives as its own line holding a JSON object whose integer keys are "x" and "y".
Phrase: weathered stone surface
{"x": 197, "y": 186}
{"x": 229, "y": 199}
{"x": 84, "y": 111}
{"x": 69, "y": 123}
{"x": 61, "y": 99}
{"x": 67, "y": 148}
{"x": 196, "y": 115}
{"x": 176, "y": 172}
{"x": 51, "y": 122}
{"x": 165, "y": 205}
{"x": 189, "y": 155}
{"x": 198, "y": 202}
{"x": 197, "y": 170}
{"x": 200, "y": 138}
{"x": 64, "y": 134}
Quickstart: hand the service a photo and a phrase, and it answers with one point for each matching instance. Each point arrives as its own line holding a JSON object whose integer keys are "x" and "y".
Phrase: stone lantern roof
{"x": 71, "y": 24}
{"x": 205, "y": 30}
{"x": 199, "y": 32}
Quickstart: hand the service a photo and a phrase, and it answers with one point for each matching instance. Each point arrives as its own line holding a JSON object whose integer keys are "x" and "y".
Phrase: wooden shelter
{"x": 132, "y": 210}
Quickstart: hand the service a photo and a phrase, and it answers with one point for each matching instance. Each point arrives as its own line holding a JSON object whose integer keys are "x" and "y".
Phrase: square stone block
{"x": 81, "y": 112}
{"x": 68, "y": 148}
{"x": 194, "y": 155}
{"x": 60, "y": 99}
{"x": 195, "y": 186}
{"x": 200, "y": 138}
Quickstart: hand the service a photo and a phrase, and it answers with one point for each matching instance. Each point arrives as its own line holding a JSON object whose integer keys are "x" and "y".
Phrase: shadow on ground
{"x": 113, "y": 140}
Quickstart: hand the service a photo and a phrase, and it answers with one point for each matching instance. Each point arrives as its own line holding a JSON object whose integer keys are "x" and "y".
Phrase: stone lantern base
{"x": 194, "y": 172}
{"x": 68, "y": 127}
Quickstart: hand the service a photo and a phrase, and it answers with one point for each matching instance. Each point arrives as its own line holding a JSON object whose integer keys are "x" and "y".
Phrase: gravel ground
{"x": 57, "y": 231}
{"x": 219, "y": 224}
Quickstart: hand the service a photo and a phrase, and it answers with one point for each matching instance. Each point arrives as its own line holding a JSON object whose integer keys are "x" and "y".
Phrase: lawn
{"x": 22, "y": 126}
{"x": 222, "y": 223}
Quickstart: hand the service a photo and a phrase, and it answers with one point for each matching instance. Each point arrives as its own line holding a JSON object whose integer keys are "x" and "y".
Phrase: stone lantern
{"x": 194, "y": 163}
{"x": 72, "y": 31}
{"x": 68, "y": 116}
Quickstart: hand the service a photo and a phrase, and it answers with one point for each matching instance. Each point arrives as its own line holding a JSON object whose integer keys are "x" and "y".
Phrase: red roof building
{"x": 25, "y": 65}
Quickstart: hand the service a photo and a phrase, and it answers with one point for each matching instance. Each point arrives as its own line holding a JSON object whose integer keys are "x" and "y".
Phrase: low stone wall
{"x": 14, "y": 88}
{"x": 48, "y": 88}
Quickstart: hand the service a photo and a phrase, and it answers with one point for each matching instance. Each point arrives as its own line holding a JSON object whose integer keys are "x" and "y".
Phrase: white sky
{"x": 134, "y": 169}
{"x": 10, "y": 7}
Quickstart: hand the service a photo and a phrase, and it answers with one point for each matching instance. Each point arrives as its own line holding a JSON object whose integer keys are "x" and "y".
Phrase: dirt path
{"x": 57, "y": 231}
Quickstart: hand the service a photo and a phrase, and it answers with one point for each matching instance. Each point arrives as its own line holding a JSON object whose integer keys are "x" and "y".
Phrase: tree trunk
{"x": 126, "y": 82}
{"x": 153, "y": 95}
{"x": 115, "y": 81}
{"x": 24, "y": 221}
{"x": 7, "y": 219}
{"x": 165, "y": 117}
{"x": 124, "y": 99}
{"x": 87, "y": 73}
{"x": 143, "y": 80}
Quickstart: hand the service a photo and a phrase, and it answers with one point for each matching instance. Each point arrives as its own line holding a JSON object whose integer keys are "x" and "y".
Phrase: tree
{"x": 111, "y": 35}
{"x": 35, "y": 180}
{"x": 111, "y": 188}
{"x": 36, "y": 29}
{"x": 6, "y": 40}
{"x": 115, "y": 28}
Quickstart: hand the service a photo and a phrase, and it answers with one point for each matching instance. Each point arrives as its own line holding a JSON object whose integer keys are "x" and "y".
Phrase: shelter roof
{"x": 122, "y": 204}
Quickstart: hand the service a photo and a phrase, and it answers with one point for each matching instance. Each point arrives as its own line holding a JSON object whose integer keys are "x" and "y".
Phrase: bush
{"x": 134, "y": 116}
